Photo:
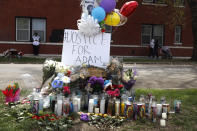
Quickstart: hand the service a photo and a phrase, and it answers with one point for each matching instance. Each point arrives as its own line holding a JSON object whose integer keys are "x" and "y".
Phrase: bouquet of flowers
{"x": 48, "y": 70}
{"x": 12, "y": 93}
{"x": 51, "y": 68}
{"x": 129, "y": 78}
{"x": 96, "y": 84}
{"x": 62, "y": 68}
{"x": 60, "y": 84}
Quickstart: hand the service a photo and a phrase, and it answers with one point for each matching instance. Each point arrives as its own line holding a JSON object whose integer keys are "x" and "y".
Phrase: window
{"x": 178, "y": 34}
{"x": 152, "y": 31}
{"x": 26, "y": 27}
{"x": 179, "y": 2}
{"x": 23, "y": 29}
{"x": 155, "y": 1}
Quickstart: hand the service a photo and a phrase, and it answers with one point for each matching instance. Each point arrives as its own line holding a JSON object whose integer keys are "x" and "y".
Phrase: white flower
{"x": 65, "y": 79}
{"x": 135, "y": 77}
{"x": 61, "y": 68}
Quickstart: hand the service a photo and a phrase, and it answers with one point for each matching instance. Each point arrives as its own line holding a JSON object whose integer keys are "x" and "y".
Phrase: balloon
{"x": 123, "y": 19}
{"x": 112, "y": 19}
{"x": 108, "y": 5}
{"x": 128, "y": 8}
{"x": 98, "y": 13}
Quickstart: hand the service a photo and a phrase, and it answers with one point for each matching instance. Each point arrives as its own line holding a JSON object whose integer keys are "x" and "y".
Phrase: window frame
{"x": 176, "y": 4}
{"x": 180, "y": 35}
{"x": 153, "y": 2}
{"x": 16, "y": 29}
{"x": 152, "y": 33}
{"x": 31, "y": 30}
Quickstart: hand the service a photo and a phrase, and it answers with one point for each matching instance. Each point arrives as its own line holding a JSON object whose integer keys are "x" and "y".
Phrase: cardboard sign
{"x": 79, "y": 49}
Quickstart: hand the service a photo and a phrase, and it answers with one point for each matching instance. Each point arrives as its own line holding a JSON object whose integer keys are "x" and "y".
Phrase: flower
{"x": 114, "y": 93}
{"x": 129, "y": 78}
{"x": 66, "y": 79}
{"x": 62, "y": 68}
{"x": 57, "y": 84}
{"x": 97, "y": 83}
{"x": 48, "y": 70}
{"x": 66, "y": 90}
{"x": 84, "y": 117}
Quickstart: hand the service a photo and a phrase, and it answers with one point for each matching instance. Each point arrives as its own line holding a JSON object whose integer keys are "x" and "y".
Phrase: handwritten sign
{"x": 79, "y": 49}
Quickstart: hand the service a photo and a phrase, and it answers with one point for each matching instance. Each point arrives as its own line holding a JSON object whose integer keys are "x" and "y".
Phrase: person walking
{"x": 36, "y": 43}
{"x": 152, "y": 44}
{"x": 156, "y": 47}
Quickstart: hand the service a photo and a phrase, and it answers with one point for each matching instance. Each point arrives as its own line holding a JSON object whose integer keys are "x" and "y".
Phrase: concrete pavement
{"x": 150, "y": 76}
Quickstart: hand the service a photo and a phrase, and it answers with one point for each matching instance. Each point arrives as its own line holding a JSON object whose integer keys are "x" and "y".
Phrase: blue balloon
{"x": 98, "y": 13}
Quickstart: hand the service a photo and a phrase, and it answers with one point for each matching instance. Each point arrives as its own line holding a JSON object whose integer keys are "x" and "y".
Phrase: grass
{"x": 186, "y": 120}
{"x": 24, "y": 60}
{"x": 158, "y": 61}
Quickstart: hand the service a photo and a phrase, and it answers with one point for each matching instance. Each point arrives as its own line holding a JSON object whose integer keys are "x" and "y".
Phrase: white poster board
{"x": 79, "y": 49}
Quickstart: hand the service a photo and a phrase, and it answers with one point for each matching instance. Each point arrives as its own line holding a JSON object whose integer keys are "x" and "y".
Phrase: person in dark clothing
{"x": 36, "y": 43}
{"x": 156, "y": 47}
{"x": 151, "y": 48}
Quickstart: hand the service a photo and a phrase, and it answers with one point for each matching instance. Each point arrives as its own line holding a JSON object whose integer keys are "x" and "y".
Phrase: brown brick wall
{"x": 62, "y": 14}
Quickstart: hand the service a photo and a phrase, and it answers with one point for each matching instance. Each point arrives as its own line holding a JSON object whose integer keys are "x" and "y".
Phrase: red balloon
{"x": 128, "y": 8}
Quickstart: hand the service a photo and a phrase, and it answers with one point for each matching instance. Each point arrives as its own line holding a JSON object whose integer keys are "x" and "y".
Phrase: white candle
{"x": 159, "y": 109}
{"x": 79, "y": 103}
{"x": 91, "y": 105}
{"x": 96, "y": 110}
{"x": 59, "y": 107}
{"x": 117, "y": 107}
{"x": 75, "y": 105}
{"x": 164, "y": 115}
{"x": 162, "y": 122}
{"x": 102, "y": 106}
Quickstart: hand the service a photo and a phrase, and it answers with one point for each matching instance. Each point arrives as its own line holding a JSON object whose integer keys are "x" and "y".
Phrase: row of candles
{"x": 125, "y": 106}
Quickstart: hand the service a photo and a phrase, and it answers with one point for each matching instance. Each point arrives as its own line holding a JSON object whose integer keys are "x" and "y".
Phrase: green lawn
{"x": 14, "y": 119}
{"x": 24, "y": 60}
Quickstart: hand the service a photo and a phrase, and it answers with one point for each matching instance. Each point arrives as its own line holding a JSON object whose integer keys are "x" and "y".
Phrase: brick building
{"x": 19, "y": 20}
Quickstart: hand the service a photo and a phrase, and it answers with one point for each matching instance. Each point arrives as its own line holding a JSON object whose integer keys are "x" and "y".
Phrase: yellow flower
{"x": 105, "y": 115}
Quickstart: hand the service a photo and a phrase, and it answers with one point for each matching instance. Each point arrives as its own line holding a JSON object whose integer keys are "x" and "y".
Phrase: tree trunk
{"x": 193, "y": 8}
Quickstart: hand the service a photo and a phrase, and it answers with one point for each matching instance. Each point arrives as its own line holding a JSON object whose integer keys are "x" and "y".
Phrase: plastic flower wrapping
{"x": 129, "y": 78}
{"x": 12, "y": 93}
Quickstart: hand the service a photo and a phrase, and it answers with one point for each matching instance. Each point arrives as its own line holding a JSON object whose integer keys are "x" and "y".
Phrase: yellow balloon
{"x": 112, "y": 19}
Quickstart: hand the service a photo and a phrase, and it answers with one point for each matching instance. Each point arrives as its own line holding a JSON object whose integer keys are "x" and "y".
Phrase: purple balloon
{"x": 108, "y": 5}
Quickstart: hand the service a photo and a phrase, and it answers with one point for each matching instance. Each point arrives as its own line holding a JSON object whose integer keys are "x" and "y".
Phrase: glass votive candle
{"x": 164, "y": 116}
{"x": 162, "y": 122}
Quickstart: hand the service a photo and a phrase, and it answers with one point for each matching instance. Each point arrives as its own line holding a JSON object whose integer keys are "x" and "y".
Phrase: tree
{"x": 193, "y": 7}
{"x": 177, "y": 17}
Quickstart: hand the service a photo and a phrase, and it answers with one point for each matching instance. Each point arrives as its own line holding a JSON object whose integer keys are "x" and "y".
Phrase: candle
{"x": 79, "y": 103}
{"x": 166, "y": 108}
{"x": 75, "y": 105}
{"x": 164, "y": 115}
{"x": 66, "y": 106}
{"x": 122, "y": 108}
{"x": 162, "y": 122}
{"x": 117, "y": 107}
{"x": 159, "y": 109}
{"x": 96, "y": 110}
{"x": 40, "y": 105}
{"x": 59, "y": 104}
{"x": 91, "y": 105}
{"x": 102, "y": 106}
